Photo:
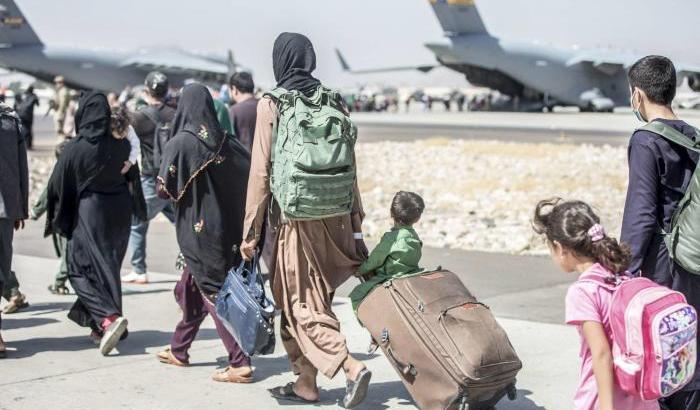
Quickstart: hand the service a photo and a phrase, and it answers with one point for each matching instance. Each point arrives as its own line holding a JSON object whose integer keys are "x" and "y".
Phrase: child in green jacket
{"x": 399, "y": 251}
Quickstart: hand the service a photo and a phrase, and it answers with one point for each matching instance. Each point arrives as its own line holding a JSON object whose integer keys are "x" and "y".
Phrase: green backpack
{"x": 683, "y": 240}
{"x": 313, "y": 155}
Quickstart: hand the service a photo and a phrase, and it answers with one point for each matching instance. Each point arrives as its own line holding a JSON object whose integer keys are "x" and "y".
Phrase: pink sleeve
{"x": 582, "y": 304}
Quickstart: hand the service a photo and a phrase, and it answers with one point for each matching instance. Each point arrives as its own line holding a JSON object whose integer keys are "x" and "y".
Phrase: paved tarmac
{"x": 52, "y": 363}
{"x": 559, "y": 127}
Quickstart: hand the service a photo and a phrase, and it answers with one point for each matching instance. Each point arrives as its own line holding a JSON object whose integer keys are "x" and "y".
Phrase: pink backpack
{"x": 654, "y": 334}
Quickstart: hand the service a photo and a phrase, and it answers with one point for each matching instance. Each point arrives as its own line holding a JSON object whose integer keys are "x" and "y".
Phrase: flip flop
{"x": 356, "y": 390}
{"x": 59, "y": 289}
{"x": 166, "y": 356}
{"x": 287, "y": 393}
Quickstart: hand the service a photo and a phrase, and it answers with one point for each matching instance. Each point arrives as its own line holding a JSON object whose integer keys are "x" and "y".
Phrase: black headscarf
{"x": 206, "y": 173}
{"x": 82, "y": 160}
{"x": 92, "y": 119}
{"x": 293, "y": 61}
{"x": 196, "y": 114}
{"x": 195, "y": 125}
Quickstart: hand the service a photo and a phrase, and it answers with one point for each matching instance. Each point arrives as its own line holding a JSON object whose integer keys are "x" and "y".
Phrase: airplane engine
{"x": 493, "y": 79}
{"x": 694, "y": 82}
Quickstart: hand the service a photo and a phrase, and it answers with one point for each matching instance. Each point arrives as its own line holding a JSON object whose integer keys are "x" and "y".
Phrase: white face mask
{"x": 636, "y": 111}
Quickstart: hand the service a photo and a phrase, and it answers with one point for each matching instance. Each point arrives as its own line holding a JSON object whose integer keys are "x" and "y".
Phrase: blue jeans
{"x": 139, "y": 229}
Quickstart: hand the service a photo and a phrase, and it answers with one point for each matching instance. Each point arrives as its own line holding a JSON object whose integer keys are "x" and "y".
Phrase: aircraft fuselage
{"x": 82, "y": 68}
{"x": 548, "y": 71}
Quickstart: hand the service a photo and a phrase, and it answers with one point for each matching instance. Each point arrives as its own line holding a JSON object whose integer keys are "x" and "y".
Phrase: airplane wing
{"x": 173, "y": 61}
{"x": 608, "y": 62}
{"x": 346, "y": 67}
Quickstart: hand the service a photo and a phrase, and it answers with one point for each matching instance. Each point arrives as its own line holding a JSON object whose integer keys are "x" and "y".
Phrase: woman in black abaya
{"x": 90, "y": 202}
{"x": 206, "y": 174}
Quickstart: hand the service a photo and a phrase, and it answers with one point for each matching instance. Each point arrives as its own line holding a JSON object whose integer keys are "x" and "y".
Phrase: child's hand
{"x": 361, "y": 248}
{"x": 127, "y": 166}
{"x": 365, "y": 277}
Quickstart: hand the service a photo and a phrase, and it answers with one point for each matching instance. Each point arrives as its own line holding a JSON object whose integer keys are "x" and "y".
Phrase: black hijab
{"x": 81, "y": 161}
{"x": 206, "y": 173}
{"x": 196, "y": 115}
{"x": 197, "y": 139}
{"x": 293, "y": 61}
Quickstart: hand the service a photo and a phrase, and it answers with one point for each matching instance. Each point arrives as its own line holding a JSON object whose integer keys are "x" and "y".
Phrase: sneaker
{"x": 135, "y": 278}
{"x": 114, "y": 329}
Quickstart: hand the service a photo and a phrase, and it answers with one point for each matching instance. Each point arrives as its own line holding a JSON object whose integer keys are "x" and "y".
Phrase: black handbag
{"x": 246, "y": 311}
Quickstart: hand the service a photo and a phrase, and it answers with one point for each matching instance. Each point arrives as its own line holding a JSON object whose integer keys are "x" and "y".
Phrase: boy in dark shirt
{"x": 659, "y": 174}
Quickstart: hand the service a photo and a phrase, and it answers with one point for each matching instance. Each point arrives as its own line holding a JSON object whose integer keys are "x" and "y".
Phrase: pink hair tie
{"x": 596, "y": 232}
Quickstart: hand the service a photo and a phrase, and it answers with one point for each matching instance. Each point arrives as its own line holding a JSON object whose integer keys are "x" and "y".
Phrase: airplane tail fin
{"x": 458, "y": 17}
{"x": 343, "y": 63}
{"x": 14, "y": 27}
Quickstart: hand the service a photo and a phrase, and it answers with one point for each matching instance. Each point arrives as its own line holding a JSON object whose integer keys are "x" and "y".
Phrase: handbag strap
{"x": 254, "y": 270}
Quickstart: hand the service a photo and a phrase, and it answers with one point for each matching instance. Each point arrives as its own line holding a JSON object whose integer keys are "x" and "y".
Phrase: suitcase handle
{"x": 407, "y": 370}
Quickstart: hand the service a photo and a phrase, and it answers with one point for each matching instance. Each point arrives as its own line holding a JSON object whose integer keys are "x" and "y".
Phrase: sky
{"x": 370, "y": 33}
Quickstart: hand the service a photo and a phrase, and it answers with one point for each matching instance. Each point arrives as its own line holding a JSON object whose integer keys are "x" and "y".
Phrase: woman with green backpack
{"x": 303, "y": 167}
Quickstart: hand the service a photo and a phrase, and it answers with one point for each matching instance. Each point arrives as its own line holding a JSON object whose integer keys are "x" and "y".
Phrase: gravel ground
{"x": 40, "y": 167}
{"x": 479, "y": 195}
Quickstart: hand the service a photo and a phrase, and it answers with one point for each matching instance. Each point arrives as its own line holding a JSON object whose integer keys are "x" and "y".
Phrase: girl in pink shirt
{"x": 578, "y": 243}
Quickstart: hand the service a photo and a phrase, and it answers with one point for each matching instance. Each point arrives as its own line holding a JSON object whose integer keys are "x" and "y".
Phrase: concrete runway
{"x": 558, "y": 127}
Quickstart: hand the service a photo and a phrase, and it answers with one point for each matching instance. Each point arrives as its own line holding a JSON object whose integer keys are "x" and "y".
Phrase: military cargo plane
{"x": 22, "y": 50}
{"x": 535, "y": 76}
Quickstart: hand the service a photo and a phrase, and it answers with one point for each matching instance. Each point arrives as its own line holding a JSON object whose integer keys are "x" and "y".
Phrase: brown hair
{"x": 568, "y": 223}
{"x": 120, "y": 119}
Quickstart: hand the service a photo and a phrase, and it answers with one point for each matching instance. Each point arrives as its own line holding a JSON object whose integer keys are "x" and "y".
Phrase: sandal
{"x": 17, "y": 303}
{"x": 57, "y": 289}
{"x": 167, "y": 357}
{"x": 232, "y": 374}
{"x": 356, "y": 390}
{"x": 287, "y": 393}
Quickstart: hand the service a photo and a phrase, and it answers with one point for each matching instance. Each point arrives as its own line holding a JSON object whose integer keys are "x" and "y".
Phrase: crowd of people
{"x": 214, "y": 173}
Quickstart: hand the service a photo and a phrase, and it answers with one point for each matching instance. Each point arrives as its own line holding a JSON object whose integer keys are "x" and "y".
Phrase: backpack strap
{"x": 610, "y": 285}
{"x": 276, "y": 95}
{"x": 677, "y": 137}
{"x": 673, "y": 135}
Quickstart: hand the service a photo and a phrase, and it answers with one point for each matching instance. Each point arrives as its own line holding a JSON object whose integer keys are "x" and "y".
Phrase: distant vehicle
{"x": 693, "y": 103}
{"x": 533, "y": 75}
{"x": 83, "y": 68}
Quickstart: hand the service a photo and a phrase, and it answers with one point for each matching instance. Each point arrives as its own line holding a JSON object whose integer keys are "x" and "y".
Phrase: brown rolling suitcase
{"x": 447, "y": 347}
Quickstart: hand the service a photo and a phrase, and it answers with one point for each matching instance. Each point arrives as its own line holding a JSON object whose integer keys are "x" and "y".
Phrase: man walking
{"x": 659, "y": 173}
{"x": 60, "y": 103}
{"x": 14, "y": 199}
{"x": 244, "y": 111}
{"x": 152, "y": 126}
{"x": 25, "y": 110}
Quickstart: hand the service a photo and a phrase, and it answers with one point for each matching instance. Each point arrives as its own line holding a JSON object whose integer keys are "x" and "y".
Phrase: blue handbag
{"x": 244, "y": 309}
